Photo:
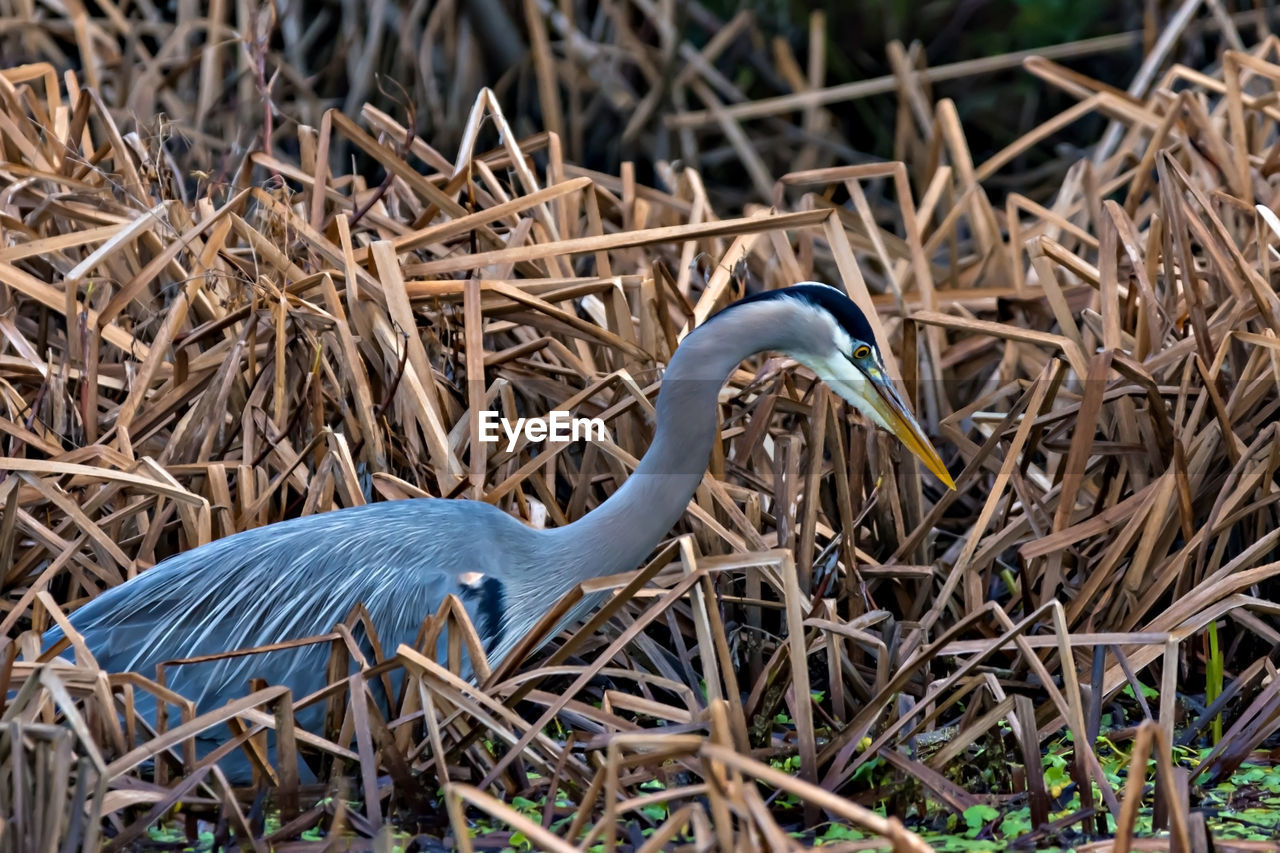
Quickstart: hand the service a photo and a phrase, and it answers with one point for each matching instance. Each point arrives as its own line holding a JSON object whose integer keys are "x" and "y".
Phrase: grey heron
{"x": 400, "y": 559}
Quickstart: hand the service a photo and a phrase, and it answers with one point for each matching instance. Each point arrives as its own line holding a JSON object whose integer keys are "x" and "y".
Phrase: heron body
{"x": 399, "y": 559}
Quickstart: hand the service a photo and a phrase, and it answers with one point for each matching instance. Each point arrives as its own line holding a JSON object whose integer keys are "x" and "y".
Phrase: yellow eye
{"x": 861, "y": 352}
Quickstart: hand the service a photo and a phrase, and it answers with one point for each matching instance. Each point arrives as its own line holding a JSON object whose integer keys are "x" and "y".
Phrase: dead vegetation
{"x": 184, "y": 359}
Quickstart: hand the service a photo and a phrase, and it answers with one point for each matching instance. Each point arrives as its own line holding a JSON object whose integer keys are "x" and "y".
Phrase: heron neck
{"x": 619, "y": 534}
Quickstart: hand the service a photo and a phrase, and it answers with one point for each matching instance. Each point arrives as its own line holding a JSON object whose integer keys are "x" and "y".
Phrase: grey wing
{"x": 292, "y": 580}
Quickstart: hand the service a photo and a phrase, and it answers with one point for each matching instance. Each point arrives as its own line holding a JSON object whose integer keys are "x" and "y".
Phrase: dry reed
{"x": 181, "y": 361}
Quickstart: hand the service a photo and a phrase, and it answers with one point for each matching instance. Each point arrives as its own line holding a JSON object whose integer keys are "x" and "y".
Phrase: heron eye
{"x": 861, "y": 352}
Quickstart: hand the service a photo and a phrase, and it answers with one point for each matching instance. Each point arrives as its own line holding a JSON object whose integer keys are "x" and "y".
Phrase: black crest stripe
{"x": 834, "y": 302}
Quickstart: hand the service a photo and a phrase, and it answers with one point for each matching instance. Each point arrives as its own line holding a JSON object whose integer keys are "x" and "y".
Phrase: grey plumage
{"x": 400, "y": 559}
{"x": 298, "y": 578}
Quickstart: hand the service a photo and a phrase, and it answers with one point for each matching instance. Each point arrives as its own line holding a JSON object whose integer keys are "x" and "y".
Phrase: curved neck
{"x": 619, "y": 534}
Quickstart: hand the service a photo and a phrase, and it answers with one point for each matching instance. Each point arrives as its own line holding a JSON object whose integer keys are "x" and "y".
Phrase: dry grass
{"x": 287, "y": 337}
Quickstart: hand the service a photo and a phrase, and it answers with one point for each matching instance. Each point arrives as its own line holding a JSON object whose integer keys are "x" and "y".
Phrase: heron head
{"x": 839, "y": 346}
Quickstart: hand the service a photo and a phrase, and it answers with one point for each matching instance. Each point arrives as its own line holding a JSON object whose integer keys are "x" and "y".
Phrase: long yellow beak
{"x": 890, "y": 406}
